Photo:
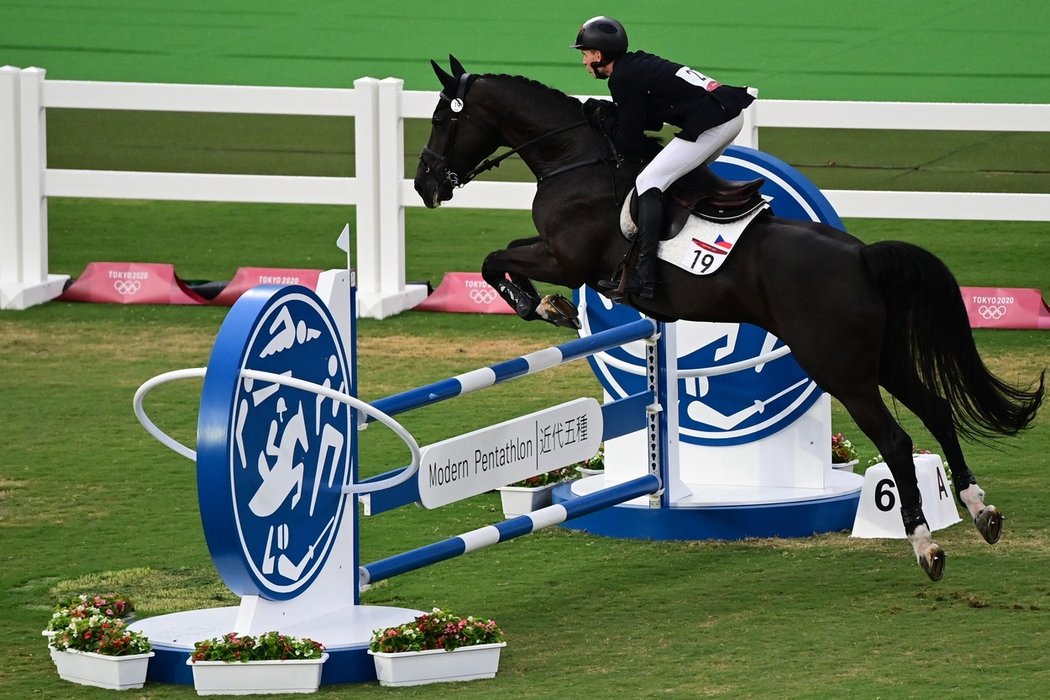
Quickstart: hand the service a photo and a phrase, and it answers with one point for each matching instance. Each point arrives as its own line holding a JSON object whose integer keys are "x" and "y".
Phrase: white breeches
{"x": 681, "y": 156}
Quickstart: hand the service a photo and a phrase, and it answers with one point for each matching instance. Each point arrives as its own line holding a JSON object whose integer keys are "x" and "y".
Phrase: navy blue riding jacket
{"x": 650, "y": 91}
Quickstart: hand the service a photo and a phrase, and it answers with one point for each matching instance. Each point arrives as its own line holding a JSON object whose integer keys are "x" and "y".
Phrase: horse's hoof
{"x": 560, "y": 311}
{"x": 989, "y": 523}
{"x": 932, "y": 561}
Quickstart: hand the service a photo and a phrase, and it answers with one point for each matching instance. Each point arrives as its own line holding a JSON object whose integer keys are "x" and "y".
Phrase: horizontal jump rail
{"x": 620, "y": 416}
{"x": 517, "y": 367}
{"x": 506, "y": 530}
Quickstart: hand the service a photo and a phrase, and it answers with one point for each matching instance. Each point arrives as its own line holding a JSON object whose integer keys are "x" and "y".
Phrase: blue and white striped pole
{"x": 506, "y": 530}
{"x": 520, "y": 366}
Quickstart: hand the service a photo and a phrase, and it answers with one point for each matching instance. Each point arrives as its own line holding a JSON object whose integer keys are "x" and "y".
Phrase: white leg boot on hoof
{"x": 928, "y": 553}
{"x": 988, "y": 519}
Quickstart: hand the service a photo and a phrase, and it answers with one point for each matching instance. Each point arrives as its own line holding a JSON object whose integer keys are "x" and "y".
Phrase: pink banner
{"x": 992, "y": 307}
{"x": 248, "y": 277}
{"x": 464, "y": 293}
{"x": 130, "y": 283}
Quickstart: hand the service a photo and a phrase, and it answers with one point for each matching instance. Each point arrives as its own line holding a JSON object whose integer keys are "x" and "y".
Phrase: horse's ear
{"x": 457, "y": 67}
{"x": 447, "y": 81}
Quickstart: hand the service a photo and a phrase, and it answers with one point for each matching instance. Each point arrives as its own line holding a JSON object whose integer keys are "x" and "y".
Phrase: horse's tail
{"x": 925, "y": 310}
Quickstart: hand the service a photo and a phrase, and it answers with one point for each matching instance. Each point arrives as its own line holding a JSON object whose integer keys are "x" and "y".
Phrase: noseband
{"x": 437, "y": 163}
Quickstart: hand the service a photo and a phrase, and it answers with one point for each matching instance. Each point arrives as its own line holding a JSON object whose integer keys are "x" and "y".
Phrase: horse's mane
{"x": 554, "y": 93}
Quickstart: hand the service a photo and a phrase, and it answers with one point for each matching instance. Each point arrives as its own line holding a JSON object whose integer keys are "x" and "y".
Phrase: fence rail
{"x": 379, "y": 189}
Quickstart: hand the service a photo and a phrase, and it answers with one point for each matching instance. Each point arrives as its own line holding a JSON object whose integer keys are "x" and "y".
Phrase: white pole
{"x": 748, "y": 135}
{"x": 391, "y": 172}
{"x": 382, "y": 290}
{"x": 33, "y": 284}
{"x": 10, "y": 193}
{"x": 366, "y": 173}
{"x": 34, "y": 162}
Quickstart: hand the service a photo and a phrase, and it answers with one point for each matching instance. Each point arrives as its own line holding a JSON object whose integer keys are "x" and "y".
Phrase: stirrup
{"x": 623, "y": 288}
{"x": 646, "y": 292}
{"x": 615, "y": 289}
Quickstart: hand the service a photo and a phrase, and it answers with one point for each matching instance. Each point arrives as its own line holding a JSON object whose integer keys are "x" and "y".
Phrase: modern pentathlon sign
{"x": 272, "y": 460}
{"x": 517, "y": 449}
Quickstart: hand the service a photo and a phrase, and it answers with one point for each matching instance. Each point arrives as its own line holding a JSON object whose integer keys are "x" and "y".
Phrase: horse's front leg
{"x": 517, "y": 290}
{"x": 504, "y": 271}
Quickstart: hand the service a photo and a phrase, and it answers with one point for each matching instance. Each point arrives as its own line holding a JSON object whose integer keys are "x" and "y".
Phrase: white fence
{"x": 379, "y": 189}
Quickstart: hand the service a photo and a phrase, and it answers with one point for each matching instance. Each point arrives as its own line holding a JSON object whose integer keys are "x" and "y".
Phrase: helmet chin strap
{"x": 595, "y": 65}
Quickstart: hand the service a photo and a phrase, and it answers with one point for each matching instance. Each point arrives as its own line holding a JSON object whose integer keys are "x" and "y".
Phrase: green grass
{"x": 86, "y": 492}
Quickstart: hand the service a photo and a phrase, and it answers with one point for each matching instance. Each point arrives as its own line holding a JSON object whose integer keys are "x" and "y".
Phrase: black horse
{"x": 900, "y": 319}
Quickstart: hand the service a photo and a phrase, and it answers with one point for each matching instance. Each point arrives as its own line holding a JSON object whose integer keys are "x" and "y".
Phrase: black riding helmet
{"x": 603, "y": 34}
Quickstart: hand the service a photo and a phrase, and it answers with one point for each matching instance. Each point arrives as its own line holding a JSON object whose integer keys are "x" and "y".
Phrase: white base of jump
{"x": 379, "y": 305}
{"x": 21, "y": 296}
{"x": 345, "y": 632}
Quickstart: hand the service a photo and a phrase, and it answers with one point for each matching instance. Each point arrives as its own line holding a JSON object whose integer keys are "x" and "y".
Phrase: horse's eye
{"x": 438, "y": 121}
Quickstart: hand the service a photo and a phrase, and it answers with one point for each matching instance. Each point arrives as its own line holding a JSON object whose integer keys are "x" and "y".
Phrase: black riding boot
{"x": 641, "y": 276}
{"x": 650, "y": 221}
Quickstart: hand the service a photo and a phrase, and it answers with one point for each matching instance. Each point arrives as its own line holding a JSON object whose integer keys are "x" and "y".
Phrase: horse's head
{"x": 458, "y": 138}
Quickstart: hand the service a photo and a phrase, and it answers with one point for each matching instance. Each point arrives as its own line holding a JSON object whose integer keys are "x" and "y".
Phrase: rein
{"x": 489, "y": 164}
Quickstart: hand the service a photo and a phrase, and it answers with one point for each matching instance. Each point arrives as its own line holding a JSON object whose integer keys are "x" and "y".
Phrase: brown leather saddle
{"x": 703, "y": 193}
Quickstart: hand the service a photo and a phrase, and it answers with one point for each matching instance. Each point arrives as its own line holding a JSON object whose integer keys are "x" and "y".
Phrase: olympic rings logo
{"x": 989, "y": 313}
{"x": 127, "y": 287}
{"x": 483, "y": 296}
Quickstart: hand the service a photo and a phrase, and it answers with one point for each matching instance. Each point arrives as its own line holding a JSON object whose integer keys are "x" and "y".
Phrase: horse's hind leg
{"x": 935, "y": 414}
{"x": 501, "y": 271}
{"x": 869, "y": 412}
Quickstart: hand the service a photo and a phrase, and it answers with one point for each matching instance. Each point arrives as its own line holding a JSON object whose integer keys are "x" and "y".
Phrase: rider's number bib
{"x": 696, "y": 78}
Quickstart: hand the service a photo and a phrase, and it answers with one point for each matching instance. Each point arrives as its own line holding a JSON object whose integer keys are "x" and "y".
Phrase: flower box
{"x": 437, "y": 665}
{"x": 518, "y": 500}
{"x": 256, "y": 677}
{"x": 845, "y": 466}
{"x": 101, "y": 671}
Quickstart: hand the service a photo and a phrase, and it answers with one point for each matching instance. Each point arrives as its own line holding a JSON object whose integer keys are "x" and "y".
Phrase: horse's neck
{"x": 556, "y": 142}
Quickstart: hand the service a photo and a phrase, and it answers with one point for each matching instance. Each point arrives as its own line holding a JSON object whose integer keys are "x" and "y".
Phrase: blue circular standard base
{"x": 345, "y": 632}
{"x": 798, "y": 518}
{"x": 347, "y": 665}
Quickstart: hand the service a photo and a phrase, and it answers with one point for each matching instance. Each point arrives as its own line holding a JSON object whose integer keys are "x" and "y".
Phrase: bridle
{"x": 437, "y": 163}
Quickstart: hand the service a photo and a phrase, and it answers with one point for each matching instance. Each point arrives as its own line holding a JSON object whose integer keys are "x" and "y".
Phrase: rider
{"x": 648, "y": 91}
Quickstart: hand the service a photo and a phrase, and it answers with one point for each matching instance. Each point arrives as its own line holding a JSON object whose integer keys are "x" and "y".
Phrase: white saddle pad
{"x": 702, "y": 246}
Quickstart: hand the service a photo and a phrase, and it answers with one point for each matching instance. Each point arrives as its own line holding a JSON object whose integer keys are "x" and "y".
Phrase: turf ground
{"x": 969, "y": 50}
{"x": 88, "y": 501}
